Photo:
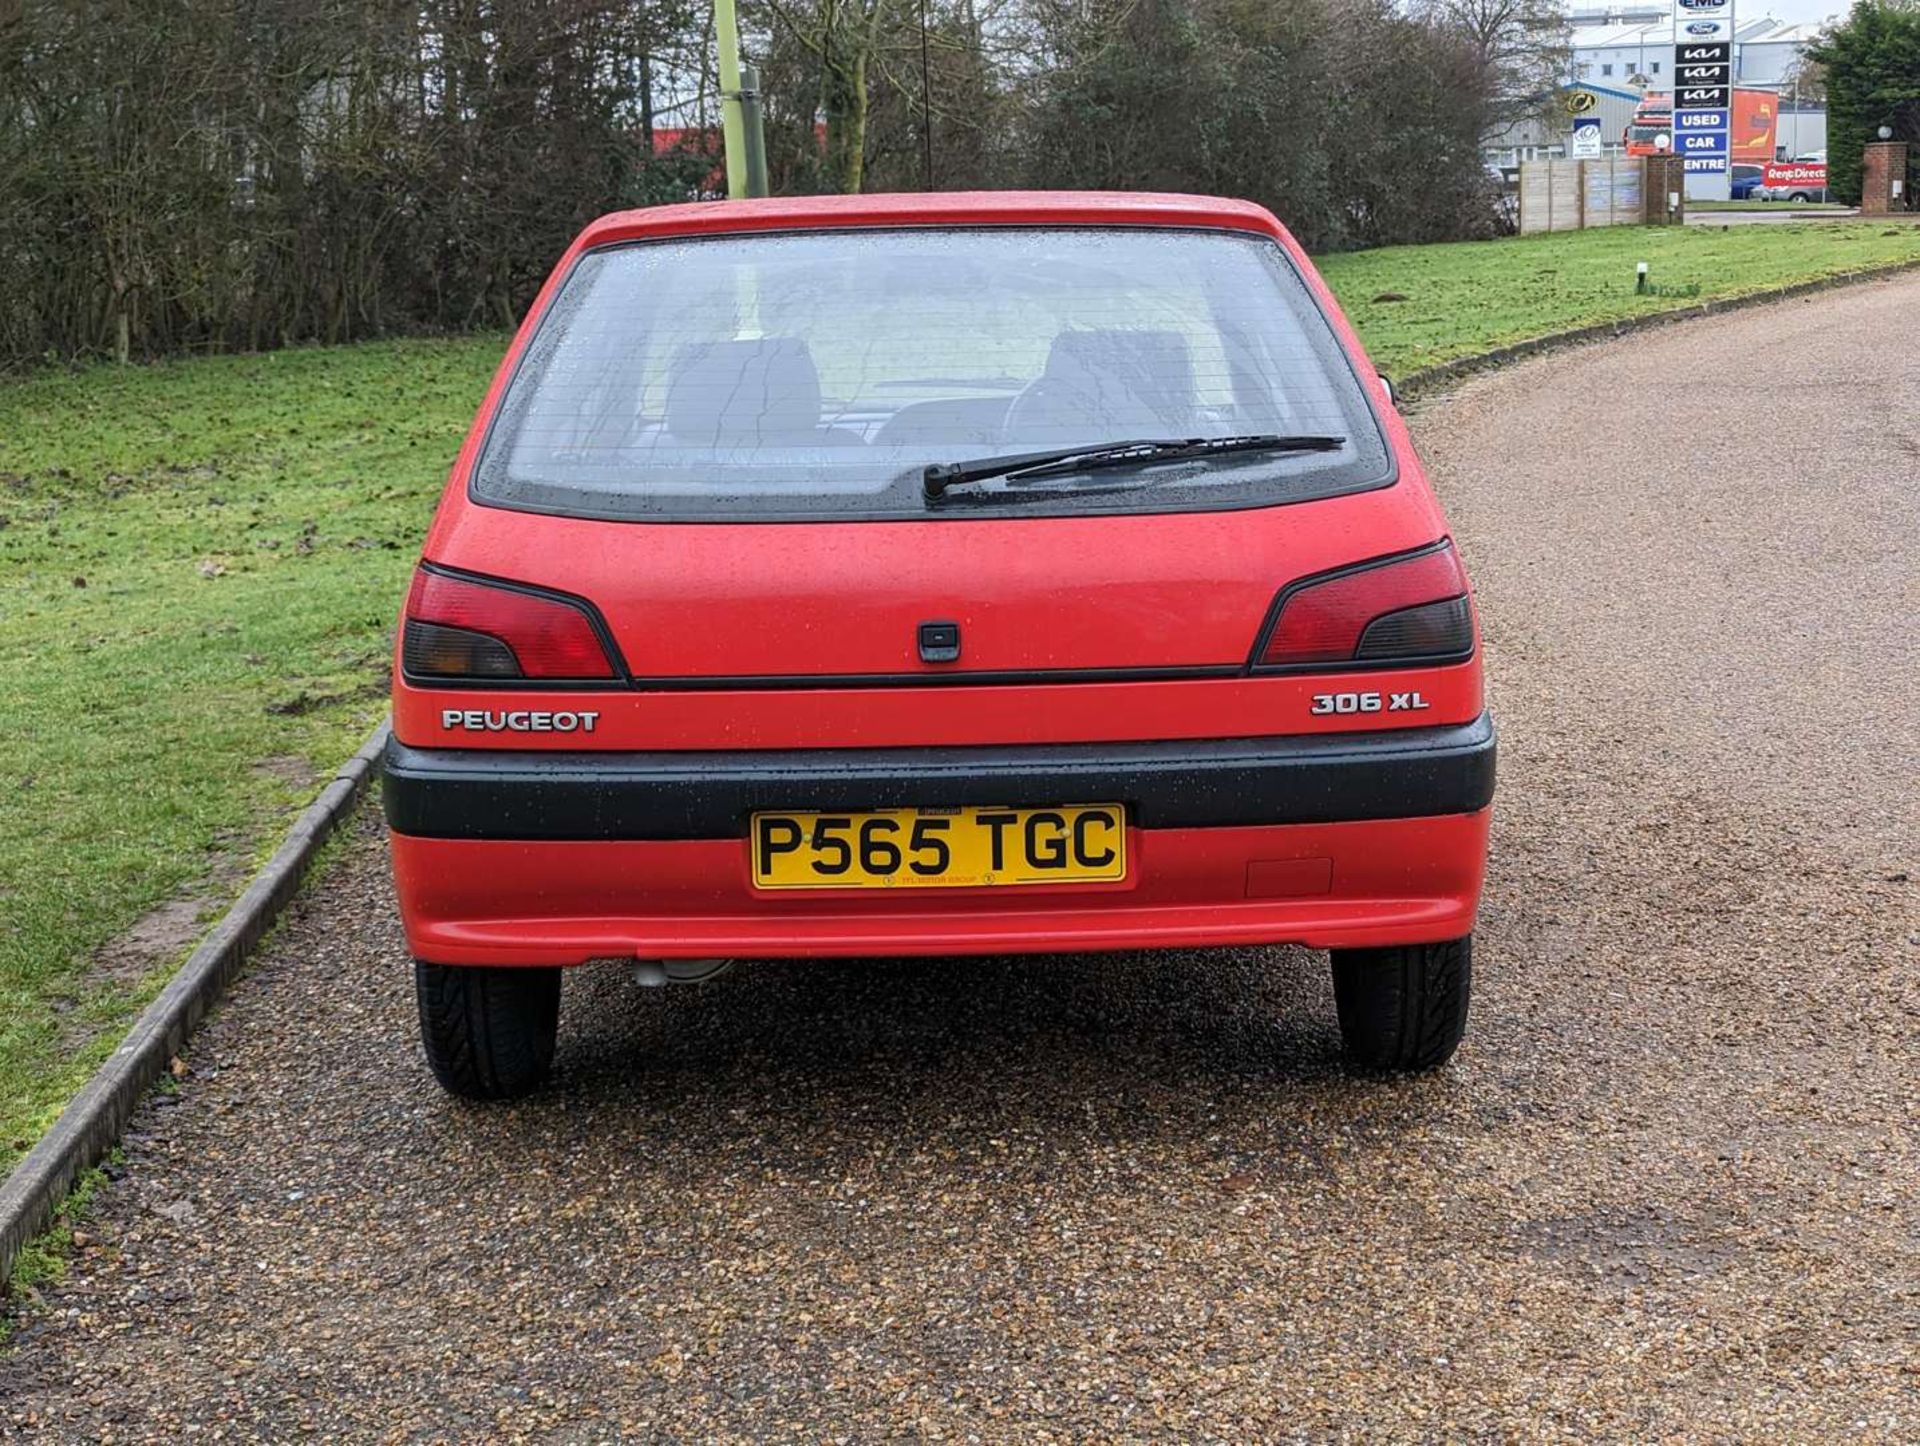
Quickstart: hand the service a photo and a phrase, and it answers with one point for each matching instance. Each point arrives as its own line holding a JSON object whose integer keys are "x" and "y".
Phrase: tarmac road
{"x": 1667, "y": 1190}
{"x": 1783, "y": 216}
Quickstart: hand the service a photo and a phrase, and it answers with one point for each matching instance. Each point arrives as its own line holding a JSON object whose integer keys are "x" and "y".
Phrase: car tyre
{"x": 1404, "y": 1008}
{"x": 489, "y": 1033}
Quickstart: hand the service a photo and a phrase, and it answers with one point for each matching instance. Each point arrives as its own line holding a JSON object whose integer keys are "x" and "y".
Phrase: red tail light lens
{"x": 459, "y": 628}
{"x": 1395, "y": 610}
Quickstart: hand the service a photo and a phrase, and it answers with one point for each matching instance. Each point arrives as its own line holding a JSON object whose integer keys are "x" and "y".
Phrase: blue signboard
{"x": 1710, "y": 143}
{"x": 1700, "y": 120}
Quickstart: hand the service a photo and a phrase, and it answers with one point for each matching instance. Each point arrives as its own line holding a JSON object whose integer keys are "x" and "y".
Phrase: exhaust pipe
{"x": 653, "y": 973}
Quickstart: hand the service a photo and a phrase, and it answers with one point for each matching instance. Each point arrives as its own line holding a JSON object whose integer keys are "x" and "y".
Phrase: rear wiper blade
{"x": 1143, "y": 454}
{"x": 1025, "y": 468}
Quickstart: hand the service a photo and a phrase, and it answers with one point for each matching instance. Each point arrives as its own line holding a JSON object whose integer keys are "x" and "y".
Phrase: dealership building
{"x": 1616, "y": 46}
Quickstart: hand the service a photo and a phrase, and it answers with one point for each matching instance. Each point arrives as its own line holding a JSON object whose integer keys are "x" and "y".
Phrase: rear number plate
{"x": 908, "y": 848}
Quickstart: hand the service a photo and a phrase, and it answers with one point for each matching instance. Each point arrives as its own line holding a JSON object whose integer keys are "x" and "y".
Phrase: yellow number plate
{"x": 918, "y": 848}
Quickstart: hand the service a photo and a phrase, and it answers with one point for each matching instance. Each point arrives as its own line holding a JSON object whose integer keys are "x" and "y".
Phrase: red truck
{"x": 1755, "y": 113}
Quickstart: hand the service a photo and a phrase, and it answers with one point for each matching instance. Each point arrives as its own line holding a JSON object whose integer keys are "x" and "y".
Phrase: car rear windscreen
{"x": 818, "y": 375}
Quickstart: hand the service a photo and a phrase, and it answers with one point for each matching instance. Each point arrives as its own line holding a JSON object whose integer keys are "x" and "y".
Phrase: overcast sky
{"x": 1803, "y": 12}
{"x": 1799, "y": 12}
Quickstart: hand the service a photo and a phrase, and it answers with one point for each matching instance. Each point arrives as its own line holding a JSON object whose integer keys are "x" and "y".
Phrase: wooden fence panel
{"x": 1570, "y": 195}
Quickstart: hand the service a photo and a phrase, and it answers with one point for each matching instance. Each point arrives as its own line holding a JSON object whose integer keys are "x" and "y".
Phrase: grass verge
{"x": 1459, "y": 300}
{"x": 200, "y": 564}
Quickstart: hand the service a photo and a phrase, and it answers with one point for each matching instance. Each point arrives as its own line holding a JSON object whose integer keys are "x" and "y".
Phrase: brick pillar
{"x": 1884, "y": 163}
{"x": 1664, "y": 176}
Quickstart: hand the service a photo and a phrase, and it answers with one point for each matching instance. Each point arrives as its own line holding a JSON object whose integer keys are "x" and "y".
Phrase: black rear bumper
{"x": 1327, "y": 778}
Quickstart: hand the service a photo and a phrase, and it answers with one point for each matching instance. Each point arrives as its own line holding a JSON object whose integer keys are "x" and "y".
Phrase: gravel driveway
{"x": 1668, "y": 1188}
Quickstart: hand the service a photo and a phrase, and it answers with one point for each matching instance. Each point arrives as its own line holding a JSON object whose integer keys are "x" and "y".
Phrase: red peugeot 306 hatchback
{"x": 935, "y": 575}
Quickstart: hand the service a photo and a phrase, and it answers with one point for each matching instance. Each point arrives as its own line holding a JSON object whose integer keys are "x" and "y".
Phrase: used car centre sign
{"x": 1703, "y": 83}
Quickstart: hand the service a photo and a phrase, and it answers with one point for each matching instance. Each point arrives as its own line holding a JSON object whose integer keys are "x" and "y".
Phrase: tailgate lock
{"x": 939, "y": 642}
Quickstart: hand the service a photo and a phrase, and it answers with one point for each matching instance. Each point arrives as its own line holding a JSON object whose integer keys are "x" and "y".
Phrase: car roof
{"x": 937, "y": 208}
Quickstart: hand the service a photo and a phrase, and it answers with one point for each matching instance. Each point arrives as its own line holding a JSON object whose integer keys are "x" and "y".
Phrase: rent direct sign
{"x": 1807, "y": 175}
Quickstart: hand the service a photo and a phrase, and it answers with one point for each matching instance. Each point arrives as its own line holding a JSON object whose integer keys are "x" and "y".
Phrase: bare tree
{"x": 842, "y": 37}
{"x": 218, "y": 174}
{"x": 1522, "y": 47}
{"x": 1805, "y": 79}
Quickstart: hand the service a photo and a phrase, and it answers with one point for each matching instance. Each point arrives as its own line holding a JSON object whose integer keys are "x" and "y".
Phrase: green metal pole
{"x": 752, "y": 122}
{"x": 732, "y": 128}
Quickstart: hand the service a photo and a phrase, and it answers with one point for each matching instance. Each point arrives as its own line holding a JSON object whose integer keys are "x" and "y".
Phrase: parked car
{"x": 935, "y": 575}
{"x": 1745, "y": 181}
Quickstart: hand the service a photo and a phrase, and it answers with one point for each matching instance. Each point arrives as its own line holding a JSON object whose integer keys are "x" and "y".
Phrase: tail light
{"x": 459, "y": 628}
{"x": 1409, "y": 608}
